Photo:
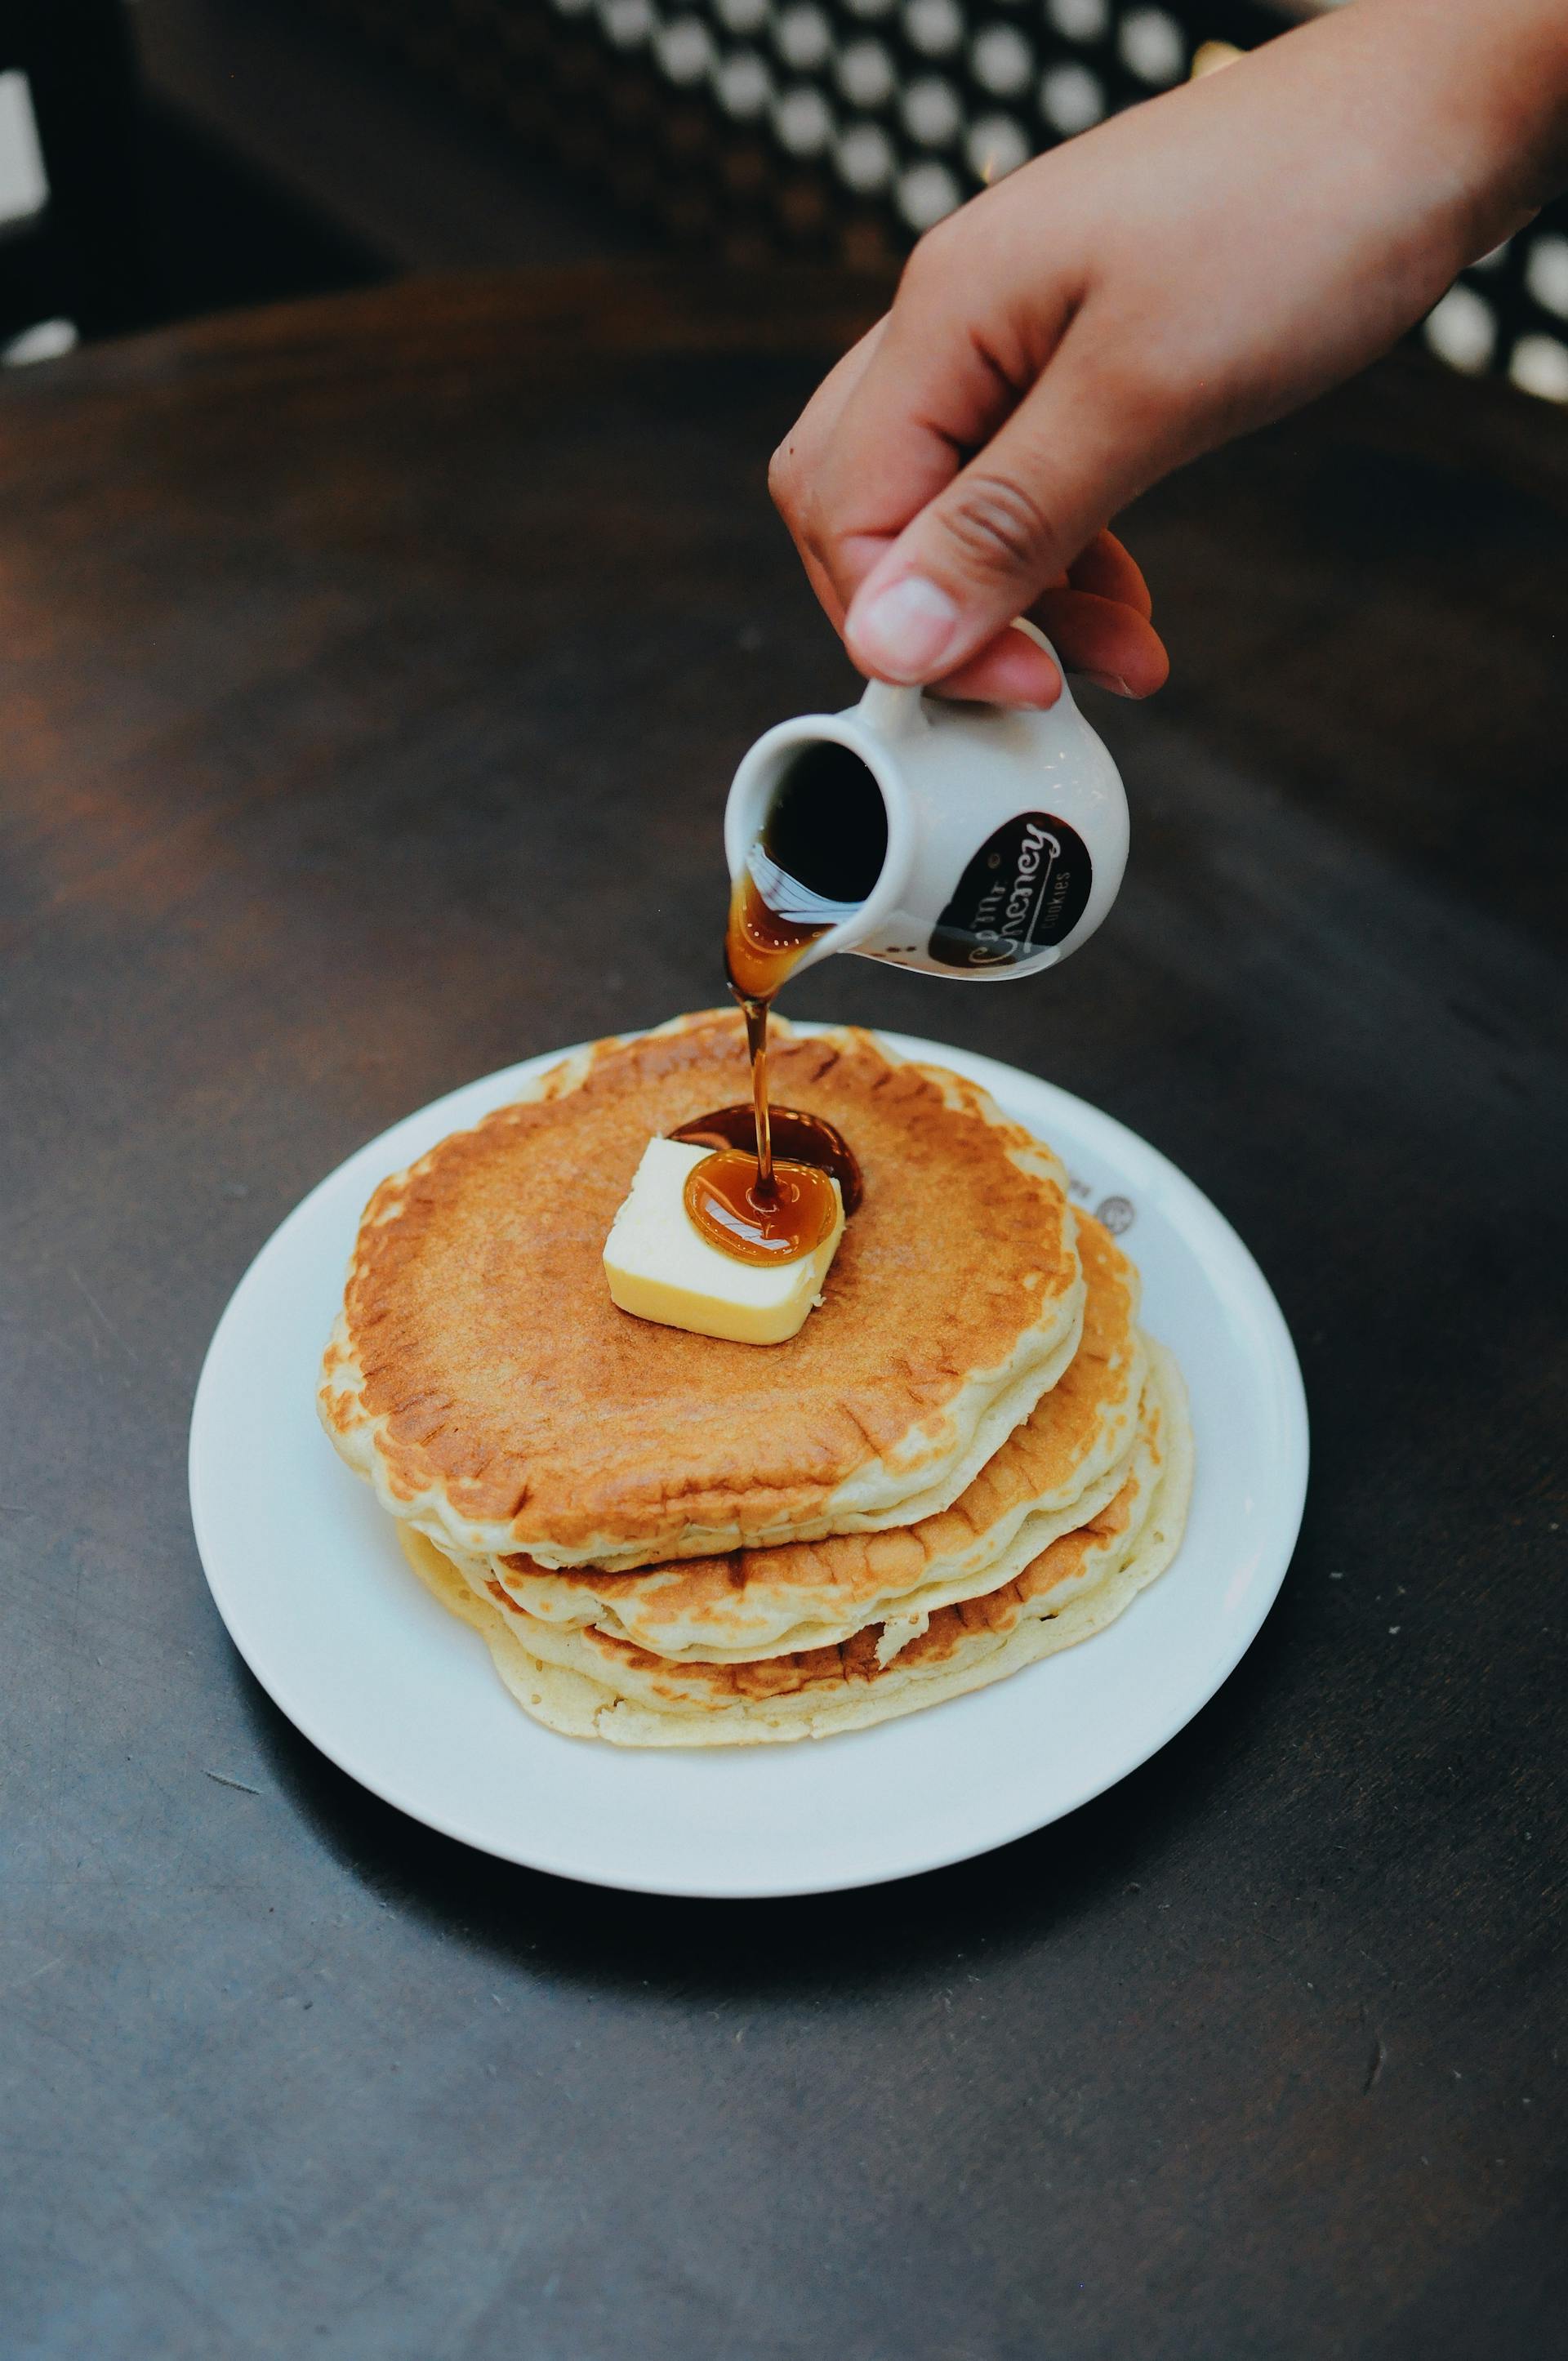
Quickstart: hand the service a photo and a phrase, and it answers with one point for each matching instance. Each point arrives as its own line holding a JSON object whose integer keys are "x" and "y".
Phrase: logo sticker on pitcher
{"x": 1026, "y": 889}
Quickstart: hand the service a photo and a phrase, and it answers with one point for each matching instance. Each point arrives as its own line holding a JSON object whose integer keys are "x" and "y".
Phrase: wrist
{"x": 1484, "y": 93}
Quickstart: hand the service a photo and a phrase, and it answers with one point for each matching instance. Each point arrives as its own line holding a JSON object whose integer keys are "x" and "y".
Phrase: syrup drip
{"x": 724, "y": 1200}
{"x": 800, "y": 1139}
{"x": 824, "y": 844}
{"x": 759, "y": 949}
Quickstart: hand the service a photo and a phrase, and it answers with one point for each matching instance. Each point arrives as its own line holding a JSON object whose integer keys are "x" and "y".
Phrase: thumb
{"x": 1003, "y": 530}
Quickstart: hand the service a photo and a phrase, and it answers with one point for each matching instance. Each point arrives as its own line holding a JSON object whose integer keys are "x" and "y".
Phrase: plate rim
{"x": 1121, "y": 1144}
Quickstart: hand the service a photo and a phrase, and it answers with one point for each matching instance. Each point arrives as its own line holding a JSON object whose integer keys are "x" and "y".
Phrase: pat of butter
{"x": 661, "y": 1267}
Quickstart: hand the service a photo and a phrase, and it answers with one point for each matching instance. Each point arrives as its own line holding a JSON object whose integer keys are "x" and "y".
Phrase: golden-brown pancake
{"x": 587, "y": 1684}
{"x": 1055, "y": 1471}
{"x": 481, "y": 1376}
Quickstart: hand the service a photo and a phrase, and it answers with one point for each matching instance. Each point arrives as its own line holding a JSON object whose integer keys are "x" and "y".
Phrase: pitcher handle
{"x": 1032, "y": 632}
{"x": 889, "y": 710}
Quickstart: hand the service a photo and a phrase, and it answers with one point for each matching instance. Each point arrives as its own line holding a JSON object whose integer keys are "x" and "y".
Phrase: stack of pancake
{"x": 970, "y": 1457}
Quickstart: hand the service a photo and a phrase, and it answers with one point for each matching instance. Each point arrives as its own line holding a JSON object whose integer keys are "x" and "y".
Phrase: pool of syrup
{"x": 724, "y": 1202}
{"x": 800, "y": 1139}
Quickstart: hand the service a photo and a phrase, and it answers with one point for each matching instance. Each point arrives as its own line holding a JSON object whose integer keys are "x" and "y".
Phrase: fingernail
{"x": 905, "y": 630}
{"x": 1111, "y": 680}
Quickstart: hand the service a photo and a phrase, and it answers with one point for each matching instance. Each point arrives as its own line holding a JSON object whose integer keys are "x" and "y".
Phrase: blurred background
{"x": 162, "y": 158}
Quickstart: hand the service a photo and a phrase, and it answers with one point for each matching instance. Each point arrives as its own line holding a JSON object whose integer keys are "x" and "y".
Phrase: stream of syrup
{"x": 821, "y": 851}
{"x": 759, "y": 949}
{"x": 801, "y": 1138}
{"x": 740, "y": 1198}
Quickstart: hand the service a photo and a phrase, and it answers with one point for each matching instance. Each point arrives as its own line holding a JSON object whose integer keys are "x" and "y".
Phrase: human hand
{"x": 1188, "y": 271}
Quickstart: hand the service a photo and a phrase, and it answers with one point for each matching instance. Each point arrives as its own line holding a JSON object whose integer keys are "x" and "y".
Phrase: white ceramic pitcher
{"x": 1006, "y": 832}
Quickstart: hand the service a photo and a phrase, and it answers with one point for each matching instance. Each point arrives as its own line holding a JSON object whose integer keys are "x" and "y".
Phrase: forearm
{"x": 1491, "y": 78}
{"x": 1305, "y": 207}
{"x": 1456, "y": 109}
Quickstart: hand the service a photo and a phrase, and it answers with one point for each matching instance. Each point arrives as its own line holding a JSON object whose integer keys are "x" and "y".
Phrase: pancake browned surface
{"x": 587, "y": 1684}
{"x": 1056, "y": 1470}
{"x": 483, "y": 1379}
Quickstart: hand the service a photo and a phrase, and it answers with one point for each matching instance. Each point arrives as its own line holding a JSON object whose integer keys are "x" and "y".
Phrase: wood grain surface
{"x": 371, "y": 674}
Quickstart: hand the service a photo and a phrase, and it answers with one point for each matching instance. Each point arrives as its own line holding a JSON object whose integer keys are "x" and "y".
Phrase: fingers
{"x": 1096, "y": 614}
{"x": 1116, "y": 646}
{"x": 1109, "y": 570}
{"x": 1110, "y": 639}
{"x": 871, "y": 475}
{"x": 886, "y": 436}
{"x": 1108, "y": 644}
{"x": 795, "y": 469}
{"x": 984, "y": 548}
{"x": 794, "y": 463}
{"x": 832, "y": 604}
{"x": 1097, "y": 618}
{"x": 1011, "y": 671}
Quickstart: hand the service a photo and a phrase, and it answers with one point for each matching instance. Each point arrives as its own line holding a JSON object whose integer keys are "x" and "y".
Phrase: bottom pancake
{"x": 590, "y": 1686}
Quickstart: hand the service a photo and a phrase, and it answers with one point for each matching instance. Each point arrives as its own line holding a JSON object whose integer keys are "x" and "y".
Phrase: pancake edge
{"x": 574, "y": 1705}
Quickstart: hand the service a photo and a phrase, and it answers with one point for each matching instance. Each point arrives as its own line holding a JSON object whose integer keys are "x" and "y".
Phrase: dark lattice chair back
{"x": 842, "y": 128}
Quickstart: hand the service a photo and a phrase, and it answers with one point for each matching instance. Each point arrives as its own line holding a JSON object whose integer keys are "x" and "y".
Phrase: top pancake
{"x": 480, "y": 1375}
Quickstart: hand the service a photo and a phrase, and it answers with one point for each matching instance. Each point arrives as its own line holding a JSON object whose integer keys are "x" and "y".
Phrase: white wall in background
{"x": 23, "y": 184}
{"x": 23, "y": 190}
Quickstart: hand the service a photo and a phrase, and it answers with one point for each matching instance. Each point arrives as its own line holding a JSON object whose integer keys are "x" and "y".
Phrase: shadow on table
{"x": 1013, "y": 1896}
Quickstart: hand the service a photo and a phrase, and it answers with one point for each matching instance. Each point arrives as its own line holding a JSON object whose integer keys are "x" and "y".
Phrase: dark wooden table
{"x": 373, "y": 673}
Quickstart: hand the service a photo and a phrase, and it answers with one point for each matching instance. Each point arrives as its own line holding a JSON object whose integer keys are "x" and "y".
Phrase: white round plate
{"x": 309, "y": 1578}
